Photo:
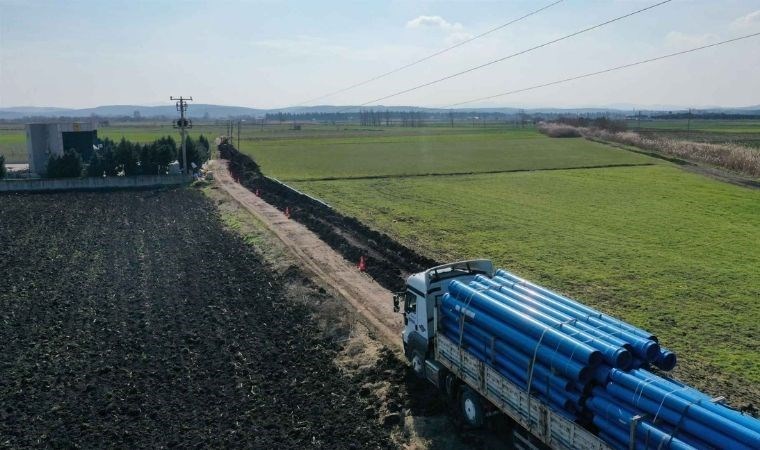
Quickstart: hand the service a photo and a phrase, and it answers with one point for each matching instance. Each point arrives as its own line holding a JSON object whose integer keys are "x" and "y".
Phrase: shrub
{"x": 729, "y": 156}
{"x": 602, "y": 123}
{"x": 126, "y": 156}
{"x": 3, "y": 170}
{"x": 156, "y": 156}
{"x": 68, "y": 165}
{"x": 558, "y": 130}
{"x": 102, "y": 160}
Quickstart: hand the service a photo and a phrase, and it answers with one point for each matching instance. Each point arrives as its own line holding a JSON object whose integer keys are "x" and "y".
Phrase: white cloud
{"x": 681, "y": 40}
{"x": 433, "y": 22}
{"x": 747, "y": 21}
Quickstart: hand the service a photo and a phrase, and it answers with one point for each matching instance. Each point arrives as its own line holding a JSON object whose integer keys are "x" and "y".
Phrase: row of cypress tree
{"x": 128, "y": 158}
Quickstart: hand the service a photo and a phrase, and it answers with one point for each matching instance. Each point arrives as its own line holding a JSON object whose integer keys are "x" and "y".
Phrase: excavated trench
{"x": 387, "y": 261}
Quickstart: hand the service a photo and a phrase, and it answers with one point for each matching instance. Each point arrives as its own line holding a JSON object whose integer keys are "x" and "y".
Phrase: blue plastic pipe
{"x": 615, "y": 355}
{"x": 520, "y": 361}
{"x": 641, "y": 390}
{"x": 666, "y": 360}
{"x": 645, "y": 348}
{"x": 691, "y": 394}
{"x": 618, "y": 438}
{"x": 604, "y": 406}
{"x": 548, "y": 357}
{"x": 545, "y": 335}
{"x": 578, "y": 306}
{"x": 560, "y": 399}
{"x": 663, "y": 413}
{"x": 549, "y": 310}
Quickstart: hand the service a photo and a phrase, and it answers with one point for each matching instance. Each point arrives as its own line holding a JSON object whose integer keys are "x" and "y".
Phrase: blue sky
{"x": 268, "y": 54}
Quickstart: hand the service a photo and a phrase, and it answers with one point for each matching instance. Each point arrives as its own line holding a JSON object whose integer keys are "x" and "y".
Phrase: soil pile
{"x": 388, "y": 262}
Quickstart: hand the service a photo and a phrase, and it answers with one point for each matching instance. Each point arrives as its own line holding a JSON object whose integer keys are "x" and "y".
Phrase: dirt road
{"x": 371, "y": 301}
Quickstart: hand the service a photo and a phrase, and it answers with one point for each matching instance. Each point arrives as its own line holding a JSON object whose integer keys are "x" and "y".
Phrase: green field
{"x": 430, "y": 153}
{"x": 671, "y": 251}
{"x": 13, "y": 143}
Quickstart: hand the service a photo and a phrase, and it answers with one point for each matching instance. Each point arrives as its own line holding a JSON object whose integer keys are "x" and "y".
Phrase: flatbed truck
{"x": 476, "y": 389}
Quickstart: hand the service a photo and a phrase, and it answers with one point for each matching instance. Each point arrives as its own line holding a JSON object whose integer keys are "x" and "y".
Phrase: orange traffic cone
{"x": 362, "y": 264}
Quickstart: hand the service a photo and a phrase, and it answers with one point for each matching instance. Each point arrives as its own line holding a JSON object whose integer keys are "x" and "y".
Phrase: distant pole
{"x": 239, "y": 124}
{"x": 182, "y": 124}
{"x": 688, "y": 126}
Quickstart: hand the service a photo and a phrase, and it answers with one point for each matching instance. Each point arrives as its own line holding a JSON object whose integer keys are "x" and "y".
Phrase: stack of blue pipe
{"x": 589, "y": 366}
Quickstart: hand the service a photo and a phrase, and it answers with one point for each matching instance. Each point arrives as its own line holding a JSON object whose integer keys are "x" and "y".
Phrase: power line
{"x": 432, "y": 55}
{"x": 591, "y": 74}
{"x": 489, "y": 63}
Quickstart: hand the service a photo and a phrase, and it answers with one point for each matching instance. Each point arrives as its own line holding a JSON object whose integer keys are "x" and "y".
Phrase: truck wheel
{"x": 472, "y": 408}
{"x": 418, "y": 365}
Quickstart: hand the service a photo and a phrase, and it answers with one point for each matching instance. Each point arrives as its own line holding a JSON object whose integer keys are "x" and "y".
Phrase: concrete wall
{"x": 92, "y": 184}
{"x": 45, "y": 139}
{"x": 42, "y": 140}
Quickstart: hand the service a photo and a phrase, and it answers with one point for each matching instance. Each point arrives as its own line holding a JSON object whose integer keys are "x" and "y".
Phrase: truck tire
{"x": 418, "y": 365}
{"x": 471, "y": 405}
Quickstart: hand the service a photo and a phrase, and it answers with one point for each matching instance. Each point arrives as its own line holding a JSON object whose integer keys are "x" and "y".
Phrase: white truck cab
{"x": 423, "y": 292}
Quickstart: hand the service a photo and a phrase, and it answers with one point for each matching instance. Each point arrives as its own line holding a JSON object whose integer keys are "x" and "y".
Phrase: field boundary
{"x": 484, "y": 172}
{"x": 92, "y": 183}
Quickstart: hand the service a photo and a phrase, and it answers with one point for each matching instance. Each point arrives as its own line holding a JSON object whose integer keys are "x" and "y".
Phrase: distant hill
{"x": 201, "y": 110}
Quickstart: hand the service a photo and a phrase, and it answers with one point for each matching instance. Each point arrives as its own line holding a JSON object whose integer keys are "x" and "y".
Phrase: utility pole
{"x": 183, "y": 124}
{"x": 239, "y": 122}
{"x": 688, "y": 126}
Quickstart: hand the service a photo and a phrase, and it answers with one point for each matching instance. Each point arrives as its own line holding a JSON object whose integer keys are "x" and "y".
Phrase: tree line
{"x": 127, "y": 158}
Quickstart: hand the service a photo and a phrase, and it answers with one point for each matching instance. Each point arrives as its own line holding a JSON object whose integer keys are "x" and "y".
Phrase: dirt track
{"x": 366, "y": 296}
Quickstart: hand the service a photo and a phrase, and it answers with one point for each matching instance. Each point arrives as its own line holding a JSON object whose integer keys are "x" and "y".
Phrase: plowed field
{"x": 133, "y": 319}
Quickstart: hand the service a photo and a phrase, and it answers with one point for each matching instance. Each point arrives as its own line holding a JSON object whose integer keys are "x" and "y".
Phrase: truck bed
{"x": 538, "y": 418}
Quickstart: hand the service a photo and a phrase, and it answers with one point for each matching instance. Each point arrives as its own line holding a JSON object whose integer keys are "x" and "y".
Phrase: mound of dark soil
{"x": 388, "y": 262}
{"x": 133, "y": 319}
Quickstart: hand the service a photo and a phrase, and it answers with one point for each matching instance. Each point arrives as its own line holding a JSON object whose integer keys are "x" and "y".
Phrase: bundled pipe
{"x": 693, "y": 395}
{"x": 518, "y": 341}
{"x": 550, "y": 388}
{"x": 492, "y": 348}
{"x": 665, "y": 359}
{"x": 646, "y": 349}
{"x": 616, "y": 351}
{"x": 650, "y": 397}
{"x": 609, "y": 410}
{"x": 469, "y": 301}
{"x": 570, "y": 355}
